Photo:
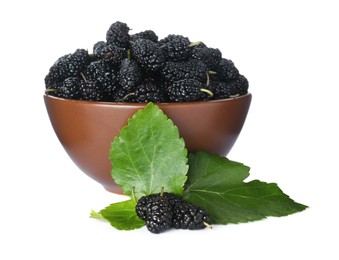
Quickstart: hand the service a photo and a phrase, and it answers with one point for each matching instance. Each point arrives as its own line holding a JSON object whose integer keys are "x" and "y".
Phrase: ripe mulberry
{"x": 69, "y": 65}
{"x": 175, "y": 47}
{"x": 187, "y": 90}
{"x": 192, "y": 69}
{"x": 104, "y": 77}
{"x": 117, "y": 34}
{"x": 70, "y": 88}
{"x": 147, "y": 54}
{"x": 90, "y": 91}
{"x": 141, "y": 68}
{"x": 226, "y": 70}
{"x": 146, "y": 93}
{"x": 188, "y": 216}
{"x": 165, "y": 210}
{"x": 148, "y": 34}
{"x": 229, "y": 89}
{"x": 211, "y": 57}
{"x": 130, "y": 75}
{"x": 109, "y": 52}
{"x": 156, "y": 210}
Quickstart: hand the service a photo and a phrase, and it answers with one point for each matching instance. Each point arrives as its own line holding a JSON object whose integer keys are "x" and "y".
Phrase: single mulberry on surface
{"x": 140, "y": 67}
{"x": 166, "y": 210}
{"x": 188, "y": 216}
{"x": 156, "y": 210}
{"x": 118, "y": 34}
{"x": 147, "y": 54}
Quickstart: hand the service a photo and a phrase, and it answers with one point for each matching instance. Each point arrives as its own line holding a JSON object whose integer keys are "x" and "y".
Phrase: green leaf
{"x": 217, "y": 184}
{"x": 149, "y": 154}
{"x": 96, "y": 215}
{"x": 121, "y": 215}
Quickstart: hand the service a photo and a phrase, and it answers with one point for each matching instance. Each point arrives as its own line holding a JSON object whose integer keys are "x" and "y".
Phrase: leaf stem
{"x": 133, "y": 194}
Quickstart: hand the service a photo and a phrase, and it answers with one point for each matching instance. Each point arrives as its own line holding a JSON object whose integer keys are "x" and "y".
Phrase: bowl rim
{"x": 132, "y": 104}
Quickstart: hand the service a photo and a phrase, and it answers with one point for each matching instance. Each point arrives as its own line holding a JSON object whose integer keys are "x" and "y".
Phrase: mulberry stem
{"x": 192, "y": 44}
{"x": 207, "y": 225}
{"x": 83, "y": 77}
{"x": 48, "y": 90}
{"x": 128, "y": 95}
{"x": 210, "y": 93}
{"x": 208, "y": 79}
{"x": 234, "y": 96}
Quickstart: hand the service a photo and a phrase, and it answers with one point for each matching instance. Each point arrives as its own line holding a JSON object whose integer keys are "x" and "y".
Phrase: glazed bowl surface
{"x": 86, "y": 129}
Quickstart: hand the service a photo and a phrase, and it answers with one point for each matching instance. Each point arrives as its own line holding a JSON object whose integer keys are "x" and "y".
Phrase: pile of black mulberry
{"x": 164, "y": 210}
{"x": 140, "y": 68}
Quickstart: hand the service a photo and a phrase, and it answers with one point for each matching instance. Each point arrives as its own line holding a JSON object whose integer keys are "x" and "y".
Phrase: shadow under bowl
{"x": 86, "y": 129}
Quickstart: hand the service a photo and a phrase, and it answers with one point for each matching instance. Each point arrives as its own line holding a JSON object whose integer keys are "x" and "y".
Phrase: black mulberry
{"x": 229, "y": 89}
{"x": 211, "y": 57}
{"x": 147, "y": 54}
{"x": 69, "y": 65}
{"x": 226, "y": 70}
{"x": 148, "y": 34}
{"x": 188, "y": 216}
{"x": 187, "y": 90}
{"x": 175, "y": 47}
{"x": 90, "y": 91}
{"x": 117, "y": 34}
{"x": 130, "y": 75}
{"x": 141, "y": 68}
{"x": 146, "y": 93}
{"x": 156, "y": 210}
{"x": 165, "y": 210}
{"x": 109, "y": 52}
{"x": 104, "y": 77}
{"x": 70, "y": 88}
{"x": 192, "y": 69}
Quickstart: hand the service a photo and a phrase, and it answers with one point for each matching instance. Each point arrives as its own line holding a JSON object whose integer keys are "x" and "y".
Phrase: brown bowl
{"x": 86, "y": 129}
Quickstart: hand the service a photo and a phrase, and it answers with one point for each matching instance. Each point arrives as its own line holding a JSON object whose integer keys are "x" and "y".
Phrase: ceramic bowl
{"x": 86, "y": 129}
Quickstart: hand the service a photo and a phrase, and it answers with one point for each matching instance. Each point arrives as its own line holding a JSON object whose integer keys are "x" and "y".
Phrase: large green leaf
{"x": 149, "y": 154}
{"x": 120, "y": 215}
{"x": 217, "y": 184}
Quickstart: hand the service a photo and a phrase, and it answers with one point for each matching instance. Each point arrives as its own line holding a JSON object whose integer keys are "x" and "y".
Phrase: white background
{"x": 288, "y": 50}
